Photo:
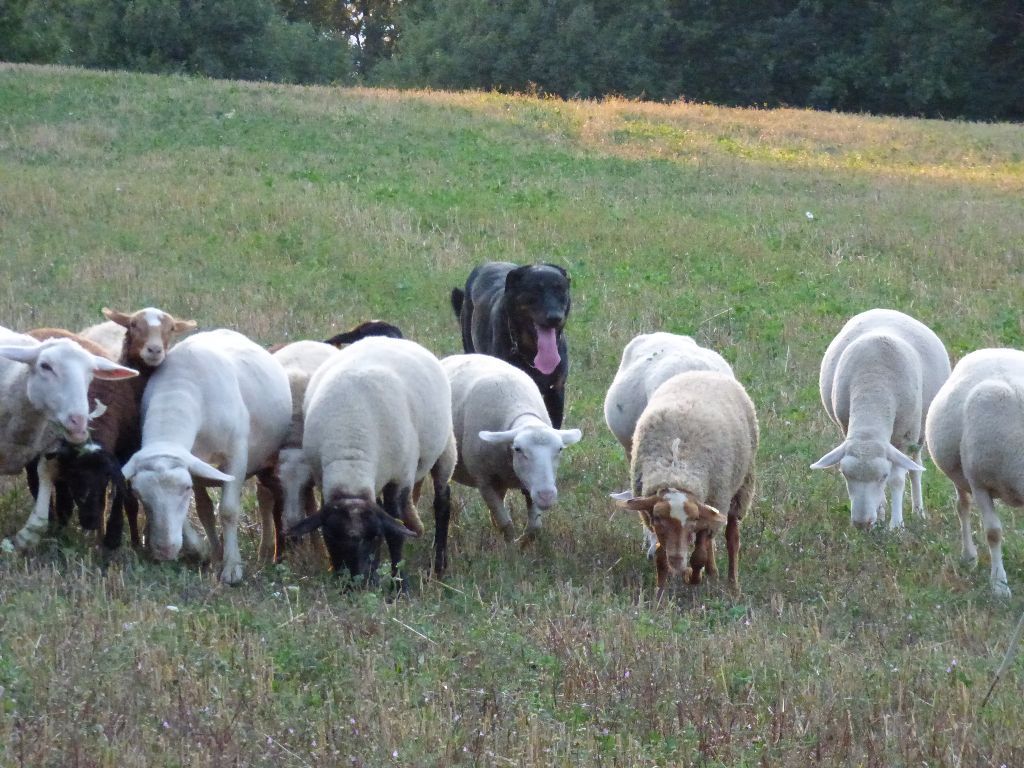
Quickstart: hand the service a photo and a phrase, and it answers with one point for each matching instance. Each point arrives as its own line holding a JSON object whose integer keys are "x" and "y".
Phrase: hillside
{"x": 289, "y": 212}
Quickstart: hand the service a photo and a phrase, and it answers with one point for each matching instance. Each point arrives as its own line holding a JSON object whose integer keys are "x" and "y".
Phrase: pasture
{"x": 289, "y": 212}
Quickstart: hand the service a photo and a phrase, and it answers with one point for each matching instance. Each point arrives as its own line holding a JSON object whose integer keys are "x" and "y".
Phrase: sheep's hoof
{"x": 969, "y": 560}
{"x": 508, "y": 532}
{"x": 232, "y": 573}
{"x": 25, "y": 539}
{"x": 528, "y": 537}
{"x": 1000, "y": 589}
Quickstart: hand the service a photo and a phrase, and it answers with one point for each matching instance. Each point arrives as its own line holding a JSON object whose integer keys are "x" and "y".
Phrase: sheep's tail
{"x": 363, "y": 330}
{"x": 457, "y": 298}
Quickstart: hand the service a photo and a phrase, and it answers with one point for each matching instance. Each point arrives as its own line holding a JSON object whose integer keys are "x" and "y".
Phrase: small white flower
{"x": 810, "y": 216}
{"x": 173, "y": 608}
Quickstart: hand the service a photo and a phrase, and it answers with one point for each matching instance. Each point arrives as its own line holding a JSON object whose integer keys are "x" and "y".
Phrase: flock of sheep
{"x": 118, "y": 405}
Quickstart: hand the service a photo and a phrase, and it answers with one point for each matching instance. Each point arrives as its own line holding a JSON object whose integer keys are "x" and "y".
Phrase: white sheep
{"x": 694, "y": 454}
{"x": 648, "y": 361}
{"x": 300, "y": 360}
{"x": 877, "y": 379}
{"x": 377, "y": 419}
{"x": 974, "y": 431}
{"x": 218, "y": 402}
{"x": 44, "y": 397}
{"x": 504, "y": 437}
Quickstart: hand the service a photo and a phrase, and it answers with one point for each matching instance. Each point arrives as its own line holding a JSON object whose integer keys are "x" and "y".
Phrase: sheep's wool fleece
{"x": 699, "y": 434}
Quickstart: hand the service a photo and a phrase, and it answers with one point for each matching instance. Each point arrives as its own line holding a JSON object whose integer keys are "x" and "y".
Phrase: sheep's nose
{"x": 546, "y": 498}
{"x": 154, "y": 349}
{"x": 554, "y": 319}
{"x": 677, "y": 564}
{"x": 863, "y": 525}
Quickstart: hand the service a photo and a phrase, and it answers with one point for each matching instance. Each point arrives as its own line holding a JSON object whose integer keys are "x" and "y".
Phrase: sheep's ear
{"x": 391, "y": 525}
{"x": 129, "y": 469}
{"x": 25, "y": 355}
{"x": 110, "y": 371}
{"x": 306, "y": 525}
{"x": 901, "y": 459}
{"x": 570, "y": 436}
{"x": 641, "y": 503}
{"x": 831, "y": 458}
{"x": 710, "y": 519}
{"x": 200, "y": 468}
{"x": 498, "y": 437}
{"x": 118, "y": 317}
{"x": 184, "y": 326}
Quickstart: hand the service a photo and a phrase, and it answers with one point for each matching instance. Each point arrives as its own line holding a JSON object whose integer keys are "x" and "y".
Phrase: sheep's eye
{"x": 46, "y": 367}
{"x": 517, "y": 449}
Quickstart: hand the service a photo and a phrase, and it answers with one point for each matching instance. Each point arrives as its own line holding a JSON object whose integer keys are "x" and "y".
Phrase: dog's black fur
{"x": 498, "y": 310}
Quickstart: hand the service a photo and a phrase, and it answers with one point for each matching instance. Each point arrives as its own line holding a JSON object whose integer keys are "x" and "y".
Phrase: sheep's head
{"x": 867, "y": 465}
{"x": 88, "y": 470}
{"x": 162, "y": 479}
{"x": 352, "y": 528}
{"x": 536, "y": 453}
{"x": 681, "y": 524}
{"x": 60, "y": 372}
{"x": 148, "y": 333}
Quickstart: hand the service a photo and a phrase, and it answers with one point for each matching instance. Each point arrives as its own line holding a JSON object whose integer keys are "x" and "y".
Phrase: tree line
{"x": 930, "y": 58}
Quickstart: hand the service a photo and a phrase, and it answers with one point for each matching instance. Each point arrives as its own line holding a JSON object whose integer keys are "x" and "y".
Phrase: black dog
{"x": 517, "y": 314}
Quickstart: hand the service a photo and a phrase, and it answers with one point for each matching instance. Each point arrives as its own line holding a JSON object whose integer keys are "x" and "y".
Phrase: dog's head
{"x": 539, "y": 292}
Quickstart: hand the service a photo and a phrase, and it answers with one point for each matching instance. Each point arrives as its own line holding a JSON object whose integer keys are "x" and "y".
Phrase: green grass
{"x": 289, "y": 212}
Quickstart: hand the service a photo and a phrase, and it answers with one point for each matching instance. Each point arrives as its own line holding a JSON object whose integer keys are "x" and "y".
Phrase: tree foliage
{"x": 935, "y": 58}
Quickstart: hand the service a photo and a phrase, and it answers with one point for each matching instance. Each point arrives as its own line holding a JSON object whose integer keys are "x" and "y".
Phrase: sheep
{"x": 218, "y": 408}
{"x": 83, "y": 472}
{"x": 877, "y": 379}
{"x": 43, "y": 393}
{"x": 365, "y": 330}
{"x": 504, "y": 438}
{"x": 300, "y": 360}
{"x": 377, "y": 420}
{"x": 694, "y": 451}
{"x": 974, "y": 436}
{"x": 142, "y": 340}
{"x": 649, "y": 360}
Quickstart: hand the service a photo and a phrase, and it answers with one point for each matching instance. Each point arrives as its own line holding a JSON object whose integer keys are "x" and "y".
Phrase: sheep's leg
{"x": 440, "y": 474}
{"x": 39, "y": 520}
{"x": 192, "y": 541}
{"x": 270, "y": 499}
{"x": 661, "y": 563}
{"x": 994, "y": 536}
{"x": 968, "y": 550}
{"x": 732, "y": 546}
{"x": 916, "y": 494}
{"x": 407, "y": 511}
{"x": 115, "y": 519}
{"x": 495, "y": 502}
{"x": 229, "y": 511}
{"x": 533, "y": 521}
{"x": 131, "y": 511}
{"x": 896, "y": 484}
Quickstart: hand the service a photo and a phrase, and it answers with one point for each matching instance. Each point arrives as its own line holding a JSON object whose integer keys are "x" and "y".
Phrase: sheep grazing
{"x": 83, "y": 472}
{"x": 218, "y": 398}
{"x": 43, "y": 393}
{"x": 694, "y": 450}
{"x": 648, "y": 361}
{"x": 300, "y": 360}
{"x": 377, "y": 420}
{"x": 138, "y": 340}
{"x": 974, "y": 430}
{"x": 365, "y": 330}
{"x": 877, "y": 379}
{"x": 505, "y": 439}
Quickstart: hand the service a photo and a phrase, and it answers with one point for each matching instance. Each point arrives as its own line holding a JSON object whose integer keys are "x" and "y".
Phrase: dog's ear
{"x": 513, "y": 278}
{"x": 555, "y": 266}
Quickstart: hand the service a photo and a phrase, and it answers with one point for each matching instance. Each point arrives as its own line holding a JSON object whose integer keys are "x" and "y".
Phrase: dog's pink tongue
{"x": 547, "y": 358}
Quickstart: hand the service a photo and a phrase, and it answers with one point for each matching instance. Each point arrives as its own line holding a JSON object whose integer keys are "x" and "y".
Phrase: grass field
{"x": 289, "y": 212}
